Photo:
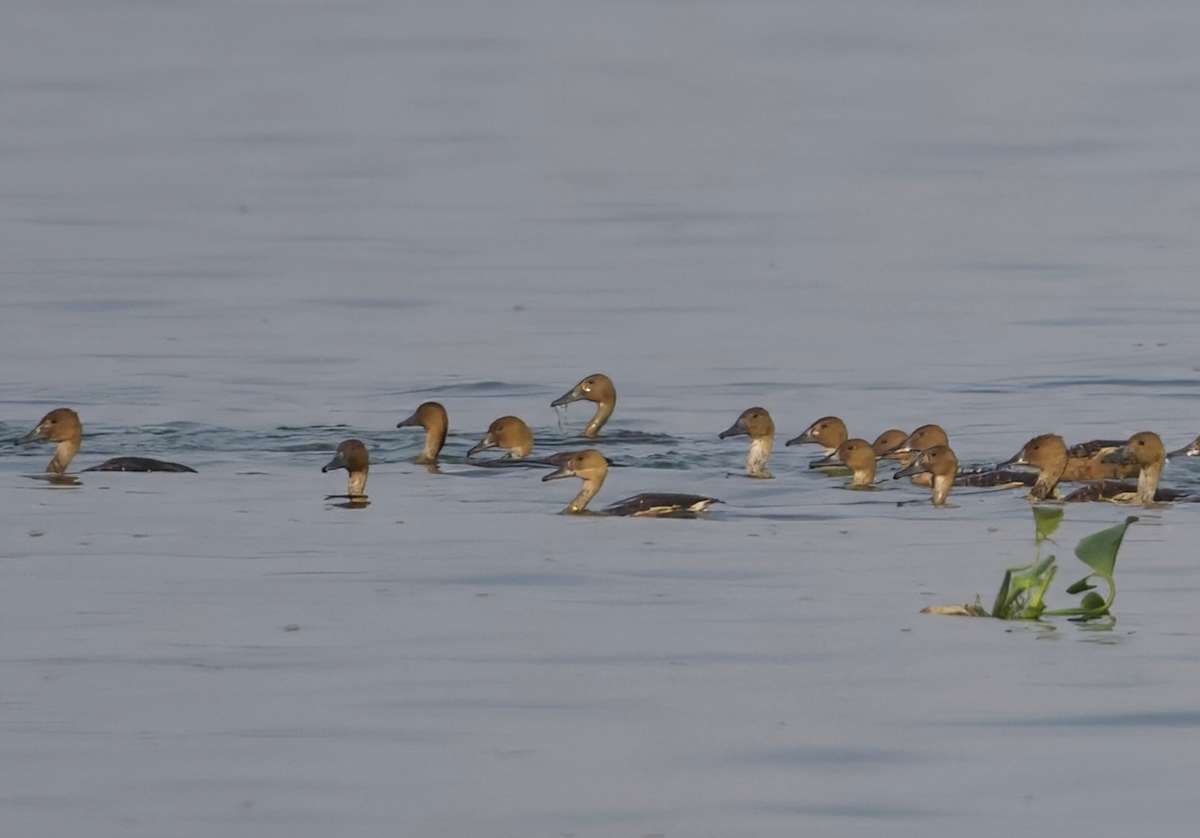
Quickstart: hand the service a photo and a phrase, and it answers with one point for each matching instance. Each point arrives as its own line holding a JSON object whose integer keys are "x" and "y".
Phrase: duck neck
{"x": 864, "y": 475}
{"x": 590, "y": 487}
{"x": 1047, "y": 480}
{"x": 1148, "y": 479}
{"x": 604, "y": 411}
{"x": 357, "y": 483}
{"x": 941, "y": 488}
{"x": 66, "y": 451}
{"x": 760, "y": 452}
{"x": 435, "y": 438}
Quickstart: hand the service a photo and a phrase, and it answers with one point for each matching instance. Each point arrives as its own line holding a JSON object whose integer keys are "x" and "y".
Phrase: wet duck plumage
{"x": 591, "y": 467}
{"x": 433, "y": 418}
{"x": 62, "y": 427}
{"x": 353, "y": 457}
{"x": 756, "y": 423}
{"x": 596, "y": 388}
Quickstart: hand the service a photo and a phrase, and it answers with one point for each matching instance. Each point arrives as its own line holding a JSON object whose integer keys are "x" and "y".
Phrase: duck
{"x": 591, "y": 467}
{"x": 509, "y": 433}
{"x": 1048, "y": 453}
{"x": 1146, "y": 450}
{"x": 829, "y": 431}
{"x": 887, "y": 441}
{"x": 926, "y": 436}
{"x": 1190, "y": 450}
{"x": 433, "y": 418}
{"x": 938, "y": 461}
{"x": 1087, "y": 461}
{"x": 856, "y": 454}
{"x": 595, "y": 388}
{"x": 62, "y": 426}
{"x": 353, "y": 457}
{"x": 756, "y": 423}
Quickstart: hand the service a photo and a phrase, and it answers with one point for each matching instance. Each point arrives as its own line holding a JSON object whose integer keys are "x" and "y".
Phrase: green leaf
{"x": 1046, "y": 520}
{"x": 1099, "y": 550}
{"x": 1084, "y": 584}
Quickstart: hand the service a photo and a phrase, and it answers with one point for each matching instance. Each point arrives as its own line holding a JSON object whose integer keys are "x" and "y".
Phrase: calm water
{"x": 237, "y": 233}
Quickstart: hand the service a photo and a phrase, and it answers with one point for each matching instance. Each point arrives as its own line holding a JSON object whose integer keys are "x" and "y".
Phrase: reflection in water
{"x": 68, "y": 480}
{"x": 349, "y": 501}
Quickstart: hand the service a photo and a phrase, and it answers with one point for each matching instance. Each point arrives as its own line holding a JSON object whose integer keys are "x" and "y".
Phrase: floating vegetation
{"x": 1022, "y": 594}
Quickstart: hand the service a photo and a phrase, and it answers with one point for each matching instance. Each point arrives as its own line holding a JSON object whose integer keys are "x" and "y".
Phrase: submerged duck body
{"x": 509, "y": 434}
{"x": 938, "y": 461}
{"x": 597, "y": 388}
{"x": 756, "y": 423}
{"x": 433, "y": 418}
{"x": 353, "y": 457}
{"x": 591, "y": 467}
{"x": 1190, "y": 450}
{"x": 62, "y": 427}
{"x": 856, "y": 454}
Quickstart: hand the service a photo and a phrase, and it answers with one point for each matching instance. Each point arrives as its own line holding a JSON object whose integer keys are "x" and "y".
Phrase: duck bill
{"x": 572, "y": 395}
{"x": 483, "y": 444}
{"x": 410, "y": 422}
{"x": 801, "y": 440}
{"x": 338, "y": 461}
{"x": 1192, "y": 450}
{"x": 738, "y": 428}
{"x": 1122, "y": 455}
{"x": 917, "y": 466}
{"x": 32, "y": 436}
{"x": 1017, "y": 459}
{"x": 561, "y": 472}
{"x": 827, "y": 461}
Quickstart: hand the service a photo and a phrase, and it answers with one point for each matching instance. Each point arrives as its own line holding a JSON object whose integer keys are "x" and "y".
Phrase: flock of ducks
{"x": 1106, "y": 469}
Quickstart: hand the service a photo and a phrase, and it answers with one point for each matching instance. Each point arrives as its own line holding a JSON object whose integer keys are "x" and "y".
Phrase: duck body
{"x": 433, "y": 418}
{"x": 508, "y": 433}
{"x": 1093, "y": 460}
{"x": 591, "y": 467}
{"x": 597, "y": 388}
{"x": 62, "y": 427}
{"x": 856, "y": 454}
{"x": 353, "y": 457}
{"x": 756, "y": 423}
{"x": 938, "y": 461}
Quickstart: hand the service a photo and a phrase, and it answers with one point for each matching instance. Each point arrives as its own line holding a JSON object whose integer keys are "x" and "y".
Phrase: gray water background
{"x": 236, "y": 233}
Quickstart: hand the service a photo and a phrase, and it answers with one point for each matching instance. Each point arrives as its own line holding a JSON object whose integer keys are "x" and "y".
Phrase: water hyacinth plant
{"x": 1022, "y": 594}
